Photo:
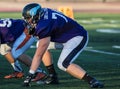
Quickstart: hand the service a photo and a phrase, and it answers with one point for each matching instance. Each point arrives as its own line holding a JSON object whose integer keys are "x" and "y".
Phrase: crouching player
{"x": 52, "y": 26}
{"x": 13, "y": 42}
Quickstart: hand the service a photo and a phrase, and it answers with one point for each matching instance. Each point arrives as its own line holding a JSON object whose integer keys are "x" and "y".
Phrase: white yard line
{"x": 103, "y": 52}
{"x": 113, "y": 31}
{"x": 116, "y": 46}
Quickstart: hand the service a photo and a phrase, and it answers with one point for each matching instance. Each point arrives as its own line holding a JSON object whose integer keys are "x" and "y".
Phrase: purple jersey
{"x": 59, "y": 27}
{"x": 10, "y": 29}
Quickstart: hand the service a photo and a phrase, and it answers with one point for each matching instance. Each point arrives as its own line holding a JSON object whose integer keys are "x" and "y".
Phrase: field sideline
{"x": 100, "y": 58}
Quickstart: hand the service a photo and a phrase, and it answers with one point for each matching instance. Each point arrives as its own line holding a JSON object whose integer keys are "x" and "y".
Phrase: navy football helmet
{"x": 33, "y": 12}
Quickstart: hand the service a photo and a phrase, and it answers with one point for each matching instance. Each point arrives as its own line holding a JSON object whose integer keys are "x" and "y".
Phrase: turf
{"x": 103, "y": 66}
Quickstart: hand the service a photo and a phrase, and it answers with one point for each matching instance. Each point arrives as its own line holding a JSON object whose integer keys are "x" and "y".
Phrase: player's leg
{"x": 47, "y": 60}
{"x": 25, "y": 59}
{"x": 48, "y": 63}
{"x": 69, "y": 53}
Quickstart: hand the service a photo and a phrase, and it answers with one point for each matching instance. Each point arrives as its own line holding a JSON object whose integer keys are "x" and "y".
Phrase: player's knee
{"x": 4, "y": 49}
{"x": 3, "y": 52}
{"x": 61, "y": 66}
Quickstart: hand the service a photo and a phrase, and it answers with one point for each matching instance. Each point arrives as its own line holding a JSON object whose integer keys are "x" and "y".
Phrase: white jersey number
{"x": 54, "y": 16}
{"x": 5, "y": 23}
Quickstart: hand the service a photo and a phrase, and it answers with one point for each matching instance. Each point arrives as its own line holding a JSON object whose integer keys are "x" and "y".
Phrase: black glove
{"x": 28, "y": 80}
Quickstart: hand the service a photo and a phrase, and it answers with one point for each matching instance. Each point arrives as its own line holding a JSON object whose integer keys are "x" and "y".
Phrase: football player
{"x": 50, "y": 25}
{"x": 12, "y": 47}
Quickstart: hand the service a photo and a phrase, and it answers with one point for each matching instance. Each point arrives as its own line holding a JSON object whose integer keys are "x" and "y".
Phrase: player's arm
{"x": 42, "y": 46}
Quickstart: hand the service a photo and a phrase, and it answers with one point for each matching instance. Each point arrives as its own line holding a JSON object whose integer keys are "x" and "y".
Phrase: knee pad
{"x": 4, "y": 49}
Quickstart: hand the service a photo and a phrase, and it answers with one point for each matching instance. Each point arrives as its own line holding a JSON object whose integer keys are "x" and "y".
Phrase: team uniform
{"x": 14, "y": 34}
{"x": 10, "y": 31}
{"x": 64, "y": 30}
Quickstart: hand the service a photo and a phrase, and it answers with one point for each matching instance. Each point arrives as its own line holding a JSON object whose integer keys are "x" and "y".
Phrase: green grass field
{"x": 101, "y": 58}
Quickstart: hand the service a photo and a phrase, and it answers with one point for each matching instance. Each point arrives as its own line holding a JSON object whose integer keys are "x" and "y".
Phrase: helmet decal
{"x": 33, "y": 11}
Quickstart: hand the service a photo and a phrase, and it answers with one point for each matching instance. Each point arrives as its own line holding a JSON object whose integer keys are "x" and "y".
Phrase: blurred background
{"x": 77, "y": 5}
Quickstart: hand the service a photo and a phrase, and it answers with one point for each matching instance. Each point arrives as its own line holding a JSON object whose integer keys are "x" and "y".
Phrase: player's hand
{"x": 28, "y": 80}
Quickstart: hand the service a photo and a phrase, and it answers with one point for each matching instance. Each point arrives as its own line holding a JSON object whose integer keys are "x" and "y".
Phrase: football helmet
{"x": 31, "y": 14}
{"x": 33, "y": 11}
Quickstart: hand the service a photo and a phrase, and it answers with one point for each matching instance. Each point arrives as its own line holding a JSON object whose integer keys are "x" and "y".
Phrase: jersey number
{"x": 54, "y": 16}
{"x": 5, "y": 23}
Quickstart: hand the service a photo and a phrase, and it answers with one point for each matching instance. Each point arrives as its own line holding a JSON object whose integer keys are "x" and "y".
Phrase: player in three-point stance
{"x": 50, "y": 25}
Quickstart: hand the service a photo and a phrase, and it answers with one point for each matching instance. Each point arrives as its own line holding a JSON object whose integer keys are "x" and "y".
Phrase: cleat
{"x": 96, "y": 84}
{"x": 39, "y": 76}
{"x": 15, "y": 75}
{"x": 27, "y": 80}
{"x": 51, "y": 79}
